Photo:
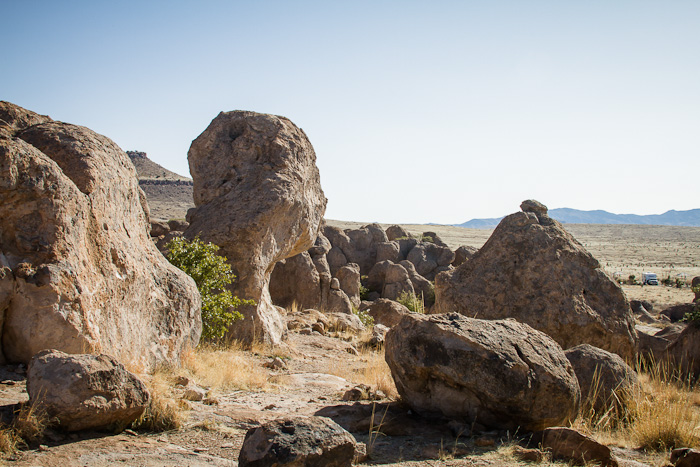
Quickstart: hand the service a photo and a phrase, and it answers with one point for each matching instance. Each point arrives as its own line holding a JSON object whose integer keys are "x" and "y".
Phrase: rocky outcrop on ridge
{"x": 533, "y": 270}
{"x": 502, "y": 374}
{"x": 258, "y": 196}
{"x": 79, "y": 270}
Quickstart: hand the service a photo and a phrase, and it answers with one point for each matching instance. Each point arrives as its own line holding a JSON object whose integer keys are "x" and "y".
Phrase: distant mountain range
{"x": 689, "y": 218}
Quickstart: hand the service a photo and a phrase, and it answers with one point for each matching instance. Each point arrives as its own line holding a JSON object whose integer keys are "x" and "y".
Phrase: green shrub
{"x": 411, "y": 301}
{"x": 212, "y": 274}
{"x": 364, "y": 291}
{"x": 364, "y": 316}
{"x": 694, "y": 315}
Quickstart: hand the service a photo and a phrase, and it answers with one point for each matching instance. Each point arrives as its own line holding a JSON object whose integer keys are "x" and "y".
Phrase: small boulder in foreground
{"x": 85, "y": 391}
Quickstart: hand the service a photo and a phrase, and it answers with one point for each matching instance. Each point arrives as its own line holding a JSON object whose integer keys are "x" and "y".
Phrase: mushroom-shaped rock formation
{"x": 257, "y": 195}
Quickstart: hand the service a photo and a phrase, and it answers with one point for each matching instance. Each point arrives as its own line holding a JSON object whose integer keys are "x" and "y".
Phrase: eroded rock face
{"x": 298, "y": 441}
{"x": 502, "y": 374}
{"x": 85, "y": 391}
{"x": 258, "y": 196}
{"x": 604, "y": 378}
{"x": 81, "y": 272}
{"x": 533, "y": 270}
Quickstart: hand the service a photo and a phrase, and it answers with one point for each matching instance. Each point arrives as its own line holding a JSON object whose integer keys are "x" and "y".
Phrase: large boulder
{"x": 533, "y": 270}
{"x": 463, "y": 253}
{"x": 81, "y": 272}
{"x": 257, "y": 195}
{"x": 387, "y": 312}
{"x": 85, "y": 391}
{"x": 295, "y": 281}
{"x": 389, "y": 279}
{"x": 349, "y": 281}
{"x": 296, "y": 442}
{"x": 604, "y": 378}
{"x": 502, "y": 374}
{"x": 684, "y": 352}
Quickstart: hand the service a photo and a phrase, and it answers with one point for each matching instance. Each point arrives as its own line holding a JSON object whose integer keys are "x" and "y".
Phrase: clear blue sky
{"x": 419, "y": 111}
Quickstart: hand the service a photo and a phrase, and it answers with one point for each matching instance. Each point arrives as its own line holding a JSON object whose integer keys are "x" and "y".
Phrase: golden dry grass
{"x": 28, "y": 425}
{"x": 371, "y": 370}
{"x": 227, "y": 368}
{"x": 9, "y": 440}
{"x": 661, "y": 413}
{"x": 163, "y": 412}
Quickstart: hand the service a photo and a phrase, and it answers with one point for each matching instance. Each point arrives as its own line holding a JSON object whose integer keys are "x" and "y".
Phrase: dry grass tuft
{"x": 29, "y": 424}
{"x": 227, "y": 368}
{"x": 661, "y": 413}
{"x": 9, "y": 440}
{"x": 163, "y": 412}
{"x": 371, "y": 370}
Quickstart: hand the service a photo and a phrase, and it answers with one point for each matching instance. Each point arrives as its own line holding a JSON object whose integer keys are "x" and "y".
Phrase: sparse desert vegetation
{"x": 377, "y": 344}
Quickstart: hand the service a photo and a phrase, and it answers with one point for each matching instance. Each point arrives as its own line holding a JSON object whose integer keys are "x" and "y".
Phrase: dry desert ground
{"x": 319, "y": 369}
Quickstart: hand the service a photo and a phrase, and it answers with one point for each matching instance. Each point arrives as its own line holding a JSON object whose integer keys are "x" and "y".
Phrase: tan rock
{"x": 502, "y": 374}
{"x": 85, "y": 391}
{"x": 387, "y": 312}
{"x": 569, "y": 444}
{"x": 258, "y": 196}
{"x": 298, "y": 441}
{"x": 86, "y": 275}
{"x": 604, "y": 378}
{"x": 533, "y": 270}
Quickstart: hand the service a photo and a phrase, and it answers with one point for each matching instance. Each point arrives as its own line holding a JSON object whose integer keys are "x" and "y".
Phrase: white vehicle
{"x": 649, "y": 278}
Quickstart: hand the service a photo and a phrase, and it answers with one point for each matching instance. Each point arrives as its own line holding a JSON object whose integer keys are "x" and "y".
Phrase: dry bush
{"x": 227, "y": 368}
{"x": 163, "y": 412}
{"x": 665, "y": 415}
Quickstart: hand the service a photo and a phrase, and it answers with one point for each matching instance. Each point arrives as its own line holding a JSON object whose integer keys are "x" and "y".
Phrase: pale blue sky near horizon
{"x": 419, "y": 112}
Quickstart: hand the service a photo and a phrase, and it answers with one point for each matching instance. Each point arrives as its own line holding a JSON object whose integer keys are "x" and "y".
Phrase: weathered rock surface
{"x": 82, "y": 272}
{"x": 533, "y": 270}
{"x": 85, "y": 391}
{"x": 502, "y": 374}
{"x": 604, "y": 378}
{"x": 349, "y": 282}
{"x": 430, "y": 259}
{"x": 298, "y": 441}
{"x": 463, "y": 253}
{"x": 652, "y": 342}
{"x": 570, "y": 445}
{"x": 258, "y": 196}
{"x": 357, "y": 246}
{"x": 684, "y": 352}
{"x": 395, "y": 232}
{"x": 685, "y": 457}
{"x": 387, "y": 312}
{"x": 677, "y": 312}
{"x": 296, "y": 280}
